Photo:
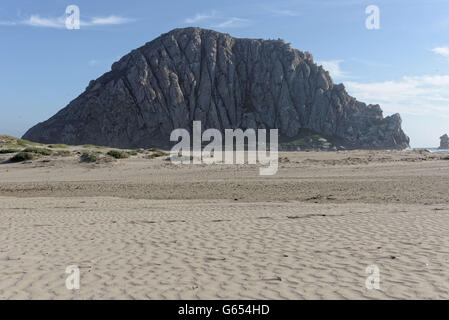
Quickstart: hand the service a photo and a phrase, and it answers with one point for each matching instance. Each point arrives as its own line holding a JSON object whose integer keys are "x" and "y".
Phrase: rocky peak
{"x": 225, "y": 82}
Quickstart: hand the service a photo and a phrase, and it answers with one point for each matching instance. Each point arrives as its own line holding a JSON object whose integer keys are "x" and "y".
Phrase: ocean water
{"x": 432, "y": 149}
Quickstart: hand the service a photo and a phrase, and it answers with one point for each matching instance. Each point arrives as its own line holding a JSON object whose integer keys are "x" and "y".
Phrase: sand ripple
{"x": 191, "y": 249}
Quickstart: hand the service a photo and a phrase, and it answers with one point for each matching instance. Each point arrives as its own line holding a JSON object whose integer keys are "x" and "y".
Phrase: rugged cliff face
{"x": 196, "y": 74}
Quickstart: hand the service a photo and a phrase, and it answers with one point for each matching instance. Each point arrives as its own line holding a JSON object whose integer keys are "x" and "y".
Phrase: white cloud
{"x": 201, "y": 17}
{"x": 333, "y": 66}
{"x": 442, "y": 51}
{"x": 7, "y": 23}
{"x": 109, "y": 20}
{"x": 37, "y": 21}
{"x": 232, "y": 23}
{"x": 215, "y": 19}
{"x": 59, "y": 22}
{"x": 415, "y": 95}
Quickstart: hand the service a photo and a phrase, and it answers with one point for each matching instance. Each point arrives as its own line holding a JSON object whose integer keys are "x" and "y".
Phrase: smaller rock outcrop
{"x": 444, "y": 142}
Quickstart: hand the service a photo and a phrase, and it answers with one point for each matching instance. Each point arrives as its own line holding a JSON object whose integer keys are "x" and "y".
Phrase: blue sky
{"x": 403, "y": 66}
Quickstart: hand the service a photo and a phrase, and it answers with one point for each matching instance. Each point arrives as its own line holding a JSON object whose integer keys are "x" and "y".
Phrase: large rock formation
{"x": 444, "y": 142}
{"x": 196, "y": 74}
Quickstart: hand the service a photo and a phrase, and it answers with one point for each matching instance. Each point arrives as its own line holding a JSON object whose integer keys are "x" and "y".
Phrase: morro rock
{"x": 225, "y": 82}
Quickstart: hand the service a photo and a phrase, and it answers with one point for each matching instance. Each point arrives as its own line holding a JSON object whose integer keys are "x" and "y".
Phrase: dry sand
{"x": 149, "y": 229}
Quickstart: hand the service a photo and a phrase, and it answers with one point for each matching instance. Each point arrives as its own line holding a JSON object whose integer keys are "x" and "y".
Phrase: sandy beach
{"x": 142, "y": 228}
{"x": 224, "y": 152}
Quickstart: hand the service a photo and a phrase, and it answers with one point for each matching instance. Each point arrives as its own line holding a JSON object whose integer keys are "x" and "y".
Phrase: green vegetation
{"x": 299, "y": 142}
{"x": 155, "y": 150}
{"x": 24, "y": 143}
{"x": 12, "y": 142}
{"x": 40, "y": 151}
{"x": 155, "y": 153}
{"x": 133, "y": 152}
{"x": 117, "y": 154}
{"x": 22, "y": 156}
{"x": 306, "y": 138}
{"x": 9, "y": 151}
{"x": 89, "y": 157}
{"x": 93, "y": 146}
{"x": 303, "y": 141}
{"x": 58, "y": 146}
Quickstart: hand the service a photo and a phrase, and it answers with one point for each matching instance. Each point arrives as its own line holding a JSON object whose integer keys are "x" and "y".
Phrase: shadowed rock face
{"x": 196, "y": 74}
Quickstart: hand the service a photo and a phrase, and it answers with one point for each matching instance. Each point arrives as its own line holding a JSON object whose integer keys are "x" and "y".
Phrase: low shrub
{"x": 89, "y": 157}
{"x": 41, "y": 151}
{"x": 24, "y": 143}
{"x": 93, "y": 146}
{"x": 58, "y": 146}
{"x": 3, "y": 151}
{"x": 117, "y": 154}
{"x": 22, "y": 156}
{"x": 155, "y": 153}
